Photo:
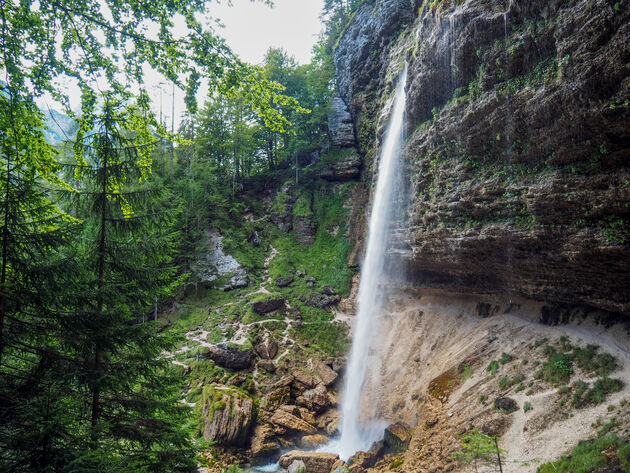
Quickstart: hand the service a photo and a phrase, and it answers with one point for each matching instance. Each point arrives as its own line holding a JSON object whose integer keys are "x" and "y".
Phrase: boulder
{"x": 284, "y": 282}
{"x": 297, "y": 466}
{"x": 263, "y": 441}
{"x": 311, "y": 442}
{"x": 307, "y": 415}
{"x": 363, "y": 459}
{"x": 228, "y": 418}
{"x": 315, "y": 399}
{"x": 291, "y": 422}
{"x": 345, "y": 169}
{"x": 311, "y": 282}
{"x": 340, "y": 124}
{"x": 321, "y": 301}
{"x": 336, "y": 364}
{"x": 267, "y": 350}
{"x": 328, "y": 291}
{"x": 266, "y": 365}
{"x": 276, "y": 398}
{"x": 506, "y": 404}
{"x": 268, "y": 305}
{"x": 229, "y": 357}
{"x": 397, "y": 437}
{"x": 314, "y": 462}
{"x": 329, "y": 421}
{"x": 326, "y": 374}
{"x": 304, "y": 380}
{"x": 282, "y": 382}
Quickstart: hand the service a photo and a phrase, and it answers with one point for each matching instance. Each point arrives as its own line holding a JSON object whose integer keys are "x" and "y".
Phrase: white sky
{"x": 252, "y": 27}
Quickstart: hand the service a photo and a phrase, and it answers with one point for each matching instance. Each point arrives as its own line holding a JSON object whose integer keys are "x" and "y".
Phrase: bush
{"x": 586, "y": 457}
{"x": 505, "y": 358}
{"x": 558, "y": 368}
{"x": 584, "y": 395}
{"x": 527, "y": 406}
{"x": 493, "y": 367}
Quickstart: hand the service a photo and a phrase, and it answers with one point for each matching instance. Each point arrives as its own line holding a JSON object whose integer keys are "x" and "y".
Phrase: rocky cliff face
{"x": 519, "y": 131}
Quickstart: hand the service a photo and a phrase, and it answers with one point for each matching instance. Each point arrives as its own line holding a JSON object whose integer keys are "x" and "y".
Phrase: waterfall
{"x": 355, "y": 434}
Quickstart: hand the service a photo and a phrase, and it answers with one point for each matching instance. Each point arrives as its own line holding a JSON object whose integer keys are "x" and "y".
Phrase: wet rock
{"x": 344, "y": 169}
{"x": 339, "y": 467}
{"x": 546, "y": 218}
{"x": 329, "y": 421}
{"x": 340, "y": 124}
{"x": 356, "y": 468}
{"x": 362, "y": 459}
{"x": 263, "y": 441}
{"x": 369, "y": 31}
{"x": 377, "y": 449}
{"x": 228, "y": 418}
{"x": 313, "y": 441}
{"x": 254, "y": 239}
{"x": 268, "y": 305}
{"x": 217, "y": 269}
{"x": 284, "y": 282}
{"x": 336, "y": 364}
{"x": 291, "y": 422}
{"x": 314, "y": 462}
{"x": 229, "y": 357}
{"x": 297, "y": 466}
{"x": 397, "y": 437}
{"x": 506, "y": 404}
{"x": 267, "y": 350}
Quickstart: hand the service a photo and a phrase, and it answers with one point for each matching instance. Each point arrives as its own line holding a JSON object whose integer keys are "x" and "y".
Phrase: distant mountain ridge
{"x": 59, "y": 126}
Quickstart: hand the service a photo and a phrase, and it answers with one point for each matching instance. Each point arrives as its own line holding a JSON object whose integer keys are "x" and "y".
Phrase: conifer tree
{"x": 132, "y": 420}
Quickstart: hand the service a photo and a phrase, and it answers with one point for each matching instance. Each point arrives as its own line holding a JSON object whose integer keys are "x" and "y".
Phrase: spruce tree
{"x": 132, "y": 420}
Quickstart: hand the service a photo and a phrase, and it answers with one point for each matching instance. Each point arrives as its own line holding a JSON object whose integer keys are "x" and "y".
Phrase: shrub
{"x": 527, "y": 406}
{"x": 505, "y": 358}
{"x": 586, "y": 457}
{"x": 493, "y": 367}
{"x": 558, "y": 368}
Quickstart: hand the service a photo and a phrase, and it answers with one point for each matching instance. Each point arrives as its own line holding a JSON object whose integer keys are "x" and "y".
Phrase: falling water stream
{"x": 356, "y": 433}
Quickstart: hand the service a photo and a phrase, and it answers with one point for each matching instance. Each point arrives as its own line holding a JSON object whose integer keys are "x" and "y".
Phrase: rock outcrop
{"x": 340, "y": 124}
{"x": 519, "y": 130}
{"x": 228, "y": 418}
{"x": 229, "y": 357}
{"x": 217, "y": 269}
{"x": 268, "y": 305}
{"x": 314, "y": 462}
{"x": 343, "y": 169}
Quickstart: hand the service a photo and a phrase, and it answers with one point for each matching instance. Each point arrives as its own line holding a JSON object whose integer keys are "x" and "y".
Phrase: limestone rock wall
{"x": 519, "y": 141}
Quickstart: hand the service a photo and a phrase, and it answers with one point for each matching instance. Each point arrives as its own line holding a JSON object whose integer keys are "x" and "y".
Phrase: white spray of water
{"x": 355, "y": 434}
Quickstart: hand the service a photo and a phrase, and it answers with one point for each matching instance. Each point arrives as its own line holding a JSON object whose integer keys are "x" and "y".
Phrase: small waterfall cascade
{"x": 356, "y": 434}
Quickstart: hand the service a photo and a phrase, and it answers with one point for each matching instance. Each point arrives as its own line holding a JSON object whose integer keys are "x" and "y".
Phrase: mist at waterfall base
{"x": 357, "y": 433}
